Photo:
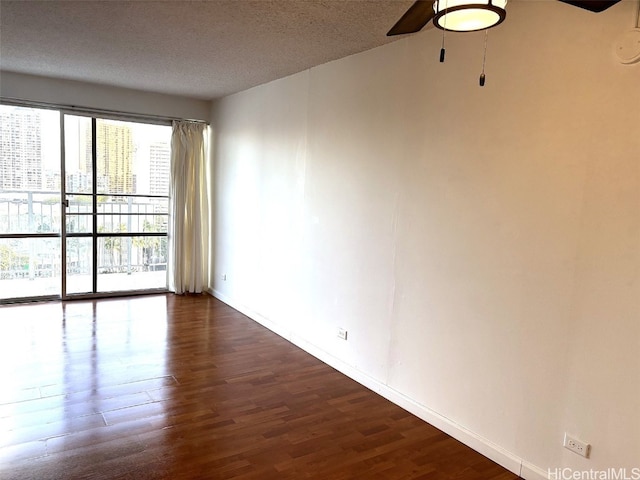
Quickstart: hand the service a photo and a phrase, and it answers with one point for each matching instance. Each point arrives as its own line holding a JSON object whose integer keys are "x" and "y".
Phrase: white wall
{"x": 481, "y": 245}
{"x": 87, "y": 95}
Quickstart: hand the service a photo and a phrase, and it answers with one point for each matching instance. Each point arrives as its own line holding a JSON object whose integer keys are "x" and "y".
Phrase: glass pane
{"x": 132, "y": 223}
{"x": 79, "y": 223}
{"x": 29, "y": 212}
{"x": 130, "y": 204}
{"x": 29, "y": 170}
{"x": 77, "y": 154}
{"x": 79, "y": 262}
{"x": 132, "y": 214}
{"x": 132, "y": 158}
{"x": 79, "y": 204}
{"x": 131, "y": 263}
{"x": 29, "y": 150}
{"x": 29, "y": 267}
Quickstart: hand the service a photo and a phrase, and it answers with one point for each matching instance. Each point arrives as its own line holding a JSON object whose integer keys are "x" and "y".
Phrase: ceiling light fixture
{"x": 468, "y": 15}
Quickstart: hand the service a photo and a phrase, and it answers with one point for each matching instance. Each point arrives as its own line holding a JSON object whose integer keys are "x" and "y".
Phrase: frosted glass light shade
{"x": 468, "y": 15}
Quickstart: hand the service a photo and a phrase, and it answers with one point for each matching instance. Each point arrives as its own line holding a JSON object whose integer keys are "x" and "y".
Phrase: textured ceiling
{"x": 200, "y": 49}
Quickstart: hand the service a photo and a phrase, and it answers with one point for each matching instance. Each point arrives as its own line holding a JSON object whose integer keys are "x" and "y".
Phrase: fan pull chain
{"x": 484, "y": 58}
{"x": 442, "y": 51}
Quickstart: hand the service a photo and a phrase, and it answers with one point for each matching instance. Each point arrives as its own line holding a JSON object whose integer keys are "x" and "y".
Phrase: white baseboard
{"x": 531, "y": 472}
{"x": 480, "y": 444}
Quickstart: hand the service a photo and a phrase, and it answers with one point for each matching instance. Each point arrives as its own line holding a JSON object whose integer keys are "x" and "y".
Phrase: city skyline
{"x": 131, "y": 156}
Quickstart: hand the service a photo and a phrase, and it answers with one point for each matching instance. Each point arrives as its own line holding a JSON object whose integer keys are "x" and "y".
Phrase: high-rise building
{"x": 114, "y": 162}
{"x": 159, "y": 164}
{"x": 20, "y": 149}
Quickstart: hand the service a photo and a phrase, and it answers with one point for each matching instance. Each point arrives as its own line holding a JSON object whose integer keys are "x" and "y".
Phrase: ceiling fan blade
{"x": 414, "y": 19}
{"x": 596, "y": 6}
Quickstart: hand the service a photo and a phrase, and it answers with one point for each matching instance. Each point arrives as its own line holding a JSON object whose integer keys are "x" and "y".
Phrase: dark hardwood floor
{"x": 184, "y": 387}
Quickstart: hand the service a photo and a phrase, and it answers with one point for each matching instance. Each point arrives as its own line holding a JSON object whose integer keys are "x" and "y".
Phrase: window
{"x": 106, "y": 223}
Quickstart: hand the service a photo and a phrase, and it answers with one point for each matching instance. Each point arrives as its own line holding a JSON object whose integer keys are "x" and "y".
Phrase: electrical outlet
{"x": 342, "y": 333}
{"x": 576, "y": 446}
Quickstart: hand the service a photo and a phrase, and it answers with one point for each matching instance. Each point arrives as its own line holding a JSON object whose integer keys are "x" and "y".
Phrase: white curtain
{"x": 189, "y": 226}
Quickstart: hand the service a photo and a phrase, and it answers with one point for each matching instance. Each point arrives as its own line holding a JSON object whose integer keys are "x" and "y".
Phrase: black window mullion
{"x": 94, "y": 202}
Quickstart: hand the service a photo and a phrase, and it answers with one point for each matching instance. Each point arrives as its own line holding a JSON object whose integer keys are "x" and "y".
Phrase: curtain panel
{"x": 189, "y": 224}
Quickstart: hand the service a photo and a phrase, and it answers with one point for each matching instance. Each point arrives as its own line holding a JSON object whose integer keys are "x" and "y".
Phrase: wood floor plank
{"x": 184, "y": 387}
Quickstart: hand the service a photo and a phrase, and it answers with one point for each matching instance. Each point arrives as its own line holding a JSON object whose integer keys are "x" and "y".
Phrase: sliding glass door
{"x": 116, "y": 198}
{"x": 83, "y": 205}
